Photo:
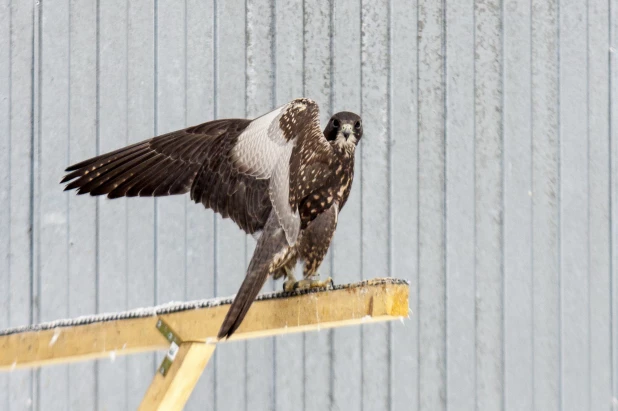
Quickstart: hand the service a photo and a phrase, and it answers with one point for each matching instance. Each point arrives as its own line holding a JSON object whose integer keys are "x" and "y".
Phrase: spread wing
{"x": 192, "y": 159}
{"x": 239, "y": 168}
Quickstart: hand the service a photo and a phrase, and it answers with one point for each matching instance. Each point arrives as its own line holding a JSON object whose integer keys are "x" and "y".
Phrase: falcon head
{"x": 344, "y": 129}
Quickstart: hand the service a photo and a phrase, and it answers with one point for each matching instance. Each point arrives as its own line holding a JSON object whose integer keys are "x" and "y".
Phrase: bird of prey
{"x": 278, "y": 177}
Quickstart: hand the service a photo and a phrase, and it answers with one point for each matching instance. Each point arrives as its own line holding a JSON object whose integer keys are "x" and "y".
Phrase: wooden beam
{"x": 135, "y": 331}
{"x": 171, "y": 392}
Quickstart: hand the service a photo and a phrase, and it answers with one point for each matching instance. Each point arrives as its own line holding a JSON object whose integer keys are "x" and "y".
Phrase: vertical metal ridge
{"x": 186, "y": 108}
{"x": 332, "y": 251}
{"x": 126, "y": 97}
{"x": 532, "y": 190}
{"x": 588, "y": 265}
{"x": 612, "y": 205}
{"x": 361, "y": 186}
{"x": 273, "y": 52}
{"x": 37, "y": 55}
{"x": 155, "y": 281}
{"x": 361, "y": 195}
{"x": 247, "y": 45}
{"x": 186, "y": 59}
{"x": 273, "y": 104}
{"x": 559, "y": 205}
{"x": 10, "y": 148}
{"x": 35, "y": 281}
{"x": 215, "y": 225}
{"x": 66, "y": 197}
{"x": 156, "y": 124}
{"x": 304, "y": 50}
{"x": 389, "y": 125}
{"x": 331, "y": 52}
{"x": 185, "y": 102}
{"x": 418, "y": 219}
{"x": 445, "y": 96}
{"x": 531, "y": 202}
{"x": 304, "y": 79}
{"x": 246, "y": 238}
{"x": 503, "y": 220}
{"x": 126, "y": 226}
{"x": 474, "y": 203}
{"x": 68, "y": 155}
{"x": 97, "y": 239}
{"x": 10, "y": 188}
{"x": 97, "y": 383}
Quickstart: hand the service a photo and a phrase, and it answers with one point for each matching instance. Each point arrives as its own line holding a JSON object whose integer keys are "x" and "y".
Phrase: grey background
{"x": 487, "y": 177}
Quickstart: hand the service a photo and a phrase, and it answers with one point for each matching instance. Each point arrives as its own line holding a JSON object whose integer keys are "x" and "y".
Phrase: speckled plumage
{"x": 278, "y": 175}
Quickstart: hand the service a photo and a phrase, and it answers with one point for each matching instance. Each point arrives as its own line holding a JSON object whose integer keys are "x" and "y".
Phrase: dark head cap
{"x": 344, "y": 124}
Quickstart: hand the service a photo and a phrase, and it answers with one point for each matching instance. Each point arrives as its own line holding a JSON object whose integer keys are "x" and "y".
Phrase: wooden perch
{"x": 196, "y": 325}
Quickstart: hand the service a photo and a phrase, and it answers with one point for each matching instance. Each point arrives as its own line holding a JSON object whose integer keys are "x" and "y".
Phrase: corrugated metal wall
{"x": 487, "y": 176}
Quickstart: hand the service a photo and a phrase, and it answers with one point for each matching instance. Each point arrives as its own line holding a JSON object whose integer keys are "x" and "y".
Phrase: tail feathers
{"x": 249, "y": 289}
{"x": 271, "y": 250}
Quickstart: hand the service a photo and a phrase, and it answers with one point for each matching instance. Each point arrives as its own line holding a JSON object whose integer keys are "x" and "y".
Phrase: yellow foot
{"x": 290, "y": 280}
{"x": 308, "y": 283}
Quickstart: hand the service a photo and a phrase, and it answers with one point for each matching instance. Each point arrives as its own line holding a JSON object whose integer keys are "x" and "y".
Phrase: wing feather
{"x": 85, "y": 173}
{"x": 100, "y": 176}
{"x": 134, "y": 182}
{"x": 104, "y": 157}
{"x": 227, "y": 165}
{"x": 193, "y": 160}
{"x": 156, "y": 180}
{"x": 279, "y": 190}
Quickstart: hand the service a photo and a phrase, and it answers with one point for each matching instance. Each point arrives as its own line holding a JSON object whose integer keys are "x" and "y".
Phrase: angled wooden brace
{"x": 178, "y": 373}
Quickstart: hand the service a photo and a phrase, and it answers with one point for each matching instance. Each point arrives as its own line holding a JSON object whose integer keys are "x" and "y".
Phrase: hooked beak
{"x": 346, "y": 130}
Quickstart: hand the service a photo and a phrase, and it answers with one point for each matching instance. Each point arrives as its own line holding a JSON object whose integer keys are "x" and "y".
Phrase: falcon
{"x": 279, "y": 177}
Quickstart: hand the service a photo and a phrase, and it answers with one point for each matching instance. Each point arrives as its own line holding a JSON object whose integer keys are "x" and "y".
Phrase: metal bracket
{"x": 175, "y": 342}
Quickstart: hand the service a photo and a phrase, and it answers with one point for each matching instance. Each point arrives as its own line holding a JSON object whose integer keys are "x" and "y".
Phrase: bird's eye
{"x": 335, "y": 123}
{"x": 357, "y": 125}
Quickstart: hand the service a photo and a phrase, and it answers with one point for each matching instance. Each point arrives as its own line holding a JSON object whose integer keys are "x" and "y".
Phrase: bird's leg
{"x": 290, "y": 280}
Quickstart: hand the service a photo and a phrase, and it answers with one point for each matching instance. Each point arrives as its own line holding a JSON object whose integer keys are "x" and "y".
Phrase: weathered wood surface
{"x": 115, "y": 334}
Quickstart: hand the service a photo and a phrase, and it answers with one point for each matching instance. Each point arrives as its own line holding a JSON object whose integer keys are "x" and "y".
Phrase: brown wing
{"x": 195, "y": 159}
{"x": 312, "y": 160}
{"x": 239, "y": 168}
